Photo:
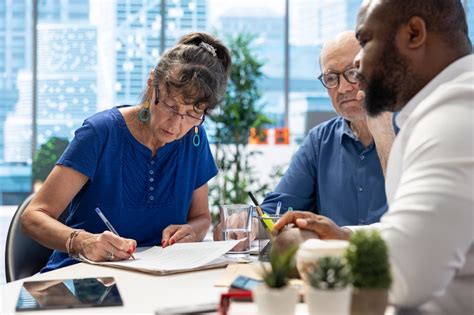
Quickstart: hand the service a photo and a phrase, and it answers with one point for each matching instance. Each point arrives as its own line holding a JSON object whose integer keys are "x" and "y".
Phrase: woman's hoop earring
{"x": 196, "y": 138}
{"x": 144, "y": 113}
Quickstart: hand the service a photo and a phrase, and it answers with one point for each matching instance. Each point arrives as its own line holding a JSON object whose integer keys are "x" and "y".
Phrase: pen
{"x": 267, "y": 222}
{"x": 107, "y": 223}
{"x": 277, "y": 212}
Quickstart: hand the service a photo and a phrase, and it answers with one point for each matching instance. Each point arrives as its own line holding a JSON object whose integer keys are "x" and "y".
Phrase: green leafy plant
{"x": 47, "y": 156}
{"x": 367, "y": 256}
{"x": 330, "y": 273}
{"x": 282, "y": 263}
{"x": 240, "y": 111}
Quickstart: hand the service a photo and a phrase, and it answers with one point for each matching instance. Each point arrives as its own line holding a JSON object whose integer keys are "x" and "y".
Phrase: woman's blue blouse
{"x": 139, "y": 194}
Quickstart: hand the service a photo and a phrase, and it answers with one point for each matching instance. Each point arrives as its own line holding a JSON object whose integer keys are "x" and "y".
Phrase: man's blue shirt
{"x": 334, "y": 175}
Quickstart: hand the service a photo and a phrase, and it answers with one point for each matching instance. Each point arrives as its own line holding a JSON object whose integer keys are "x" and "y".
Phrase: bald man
{"x": 337, "y": 172}
{"x": 417, "y": 59}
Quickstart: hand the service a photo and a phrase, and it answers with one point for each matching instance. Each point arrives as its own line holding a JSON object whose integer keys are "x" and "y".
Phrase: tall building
{"x": 15, "y": 44}
{"x": 63, "y": 11}
{"x": 313, "y": 22}
{"x": 106, "y": 46}
{"x": 15, "y": 54}
{"x": 15, "y": 83}
{"x": 303, "y": 22}
{"x": 333, "y": 17}
{"x": 66, "y": 59}
{"x": 268, "y": 47}
{"x": 86, "y": 62}
{"x": 66, "y": 92}
{"x": 138, "y": 39}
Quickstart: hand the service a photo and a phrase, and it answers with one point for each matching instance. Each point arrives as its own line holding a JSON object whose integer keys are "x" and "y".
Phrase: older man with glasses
{"x": 337, "y": 171}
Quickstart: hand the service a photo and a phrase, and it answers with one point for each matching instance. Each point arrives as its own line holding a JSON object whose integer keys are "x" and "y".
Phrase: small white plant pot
{"x": 313, "y": 249}
{"x": 328, "y": 301}
{"x": 275, "y": 301}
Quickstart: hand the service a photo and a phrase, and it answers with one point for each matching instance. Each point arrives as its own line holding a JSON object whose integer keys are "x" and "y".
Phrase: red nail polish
{"x": 163, "y": 243}
{"x": 130, "y": 251}
{"x": 172, "y": 242}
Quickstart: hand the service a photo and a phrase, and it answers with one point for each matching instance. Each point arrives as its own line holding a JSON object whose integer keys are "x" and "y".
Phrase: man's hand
{"x": 324, "y": 227}
{"x": 381, "y": 128}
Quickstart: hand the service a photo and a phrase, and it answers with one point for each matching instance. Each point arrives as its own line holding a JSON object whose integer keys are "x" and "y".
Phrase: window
{"x": 87, "y": 63}
{"x": 311, "y": 24}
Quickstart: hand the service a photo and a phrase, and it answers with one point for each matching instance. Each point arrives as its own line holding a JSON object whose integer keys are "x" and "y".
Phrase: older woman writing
{"x": 146, "y": 167}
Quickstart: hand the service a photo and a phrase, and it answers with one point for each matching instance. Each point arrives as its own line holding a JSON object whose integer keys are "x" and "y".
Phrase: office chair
{"x": 24, "y": 256}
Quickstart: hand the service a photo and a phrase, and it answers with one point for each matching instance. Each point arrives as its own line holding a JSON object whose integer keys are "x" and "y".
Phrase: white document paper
{"x": 176, "y": 258}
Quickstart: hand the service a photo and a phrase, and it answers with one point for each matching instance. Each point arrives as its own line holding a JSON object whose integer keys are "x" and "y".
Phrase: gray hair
{"x": 197, "y": 69}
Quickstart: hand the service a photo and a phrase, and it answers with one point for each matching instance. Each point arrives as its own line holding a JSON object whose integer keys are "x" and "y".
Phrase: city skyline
{"x": 66, "y": 92}
{"x": 119, "y": 45}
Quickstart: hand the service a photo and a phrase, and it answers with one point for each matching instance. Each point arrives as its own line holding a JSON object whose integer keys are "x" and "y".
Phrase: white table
{"x": 141, "y": 293}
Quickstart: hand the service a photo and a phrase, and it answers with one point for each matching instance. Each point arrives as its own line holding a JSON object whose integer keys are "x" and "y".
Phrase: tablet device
{"x": 68, "y": 293}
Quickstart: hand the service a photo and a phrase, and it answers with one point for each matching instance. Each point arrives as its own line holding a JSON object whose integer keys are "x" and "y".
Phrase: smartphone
{"x": 245, "y": 283}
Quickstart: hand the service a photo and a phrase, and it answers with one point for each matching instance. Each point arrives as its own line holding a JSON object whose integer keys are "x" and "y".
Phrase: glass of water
{"x": 236, "y": 222}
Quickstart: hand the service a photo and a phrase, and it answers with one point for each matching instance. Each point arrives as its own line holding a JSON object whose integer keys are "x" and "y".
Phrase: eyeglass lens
{"x": 331, "y": 80}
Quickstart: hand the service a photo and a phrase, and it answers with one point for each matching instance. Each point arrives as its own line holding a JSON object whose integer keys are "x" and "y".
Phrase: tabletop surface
{"x": 141, "y": 293}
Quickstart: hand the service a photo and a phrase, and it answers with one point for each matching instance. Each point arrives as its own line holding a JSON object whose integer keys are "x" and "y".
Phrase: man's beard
{"x": 393, "y": 83}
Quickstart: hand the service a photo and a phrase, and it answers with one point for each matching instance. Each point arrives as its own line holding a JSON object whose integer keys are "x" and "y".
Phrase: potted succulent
{"x": 330, "y": 290}
{"x": 275, "y": 296}
{"x": 367, "y": 257}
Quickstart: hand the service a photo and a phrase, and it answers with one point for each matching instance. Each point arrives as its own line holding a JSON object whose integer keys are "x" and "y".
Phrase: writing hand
{"x": 105, "y": 246}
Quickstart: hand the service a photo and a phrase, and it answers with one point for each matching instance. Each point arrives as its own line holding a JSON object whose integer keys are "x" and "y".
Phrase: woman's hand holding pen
{"x": 105, "y": 246}
{"x": 183, "y": 233}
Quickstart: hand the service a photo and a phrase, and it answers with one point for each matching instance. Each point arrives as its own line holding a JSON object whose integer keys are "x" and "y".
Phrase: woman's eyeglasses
{"x": 189, "y": 119}
{"x": 331, "y": 79}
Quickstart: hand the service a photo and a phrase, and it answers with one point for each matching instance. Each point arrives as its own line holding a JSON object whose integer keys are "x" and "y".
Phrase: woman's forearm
{"x": 200, "y": 225}
{"x": 46, "y": 230}
{"x": 39, "y": 220}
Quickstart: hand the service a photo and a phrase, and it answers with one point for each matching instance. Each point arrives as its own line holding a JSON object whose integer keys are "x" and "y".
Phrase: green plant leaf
{"x": 46, "y": 157}
{"x": 240, "y": 111}
{"x": 281, "y": 266}
{"x": 330, "y": 273}
{"x": 367, "y": 256}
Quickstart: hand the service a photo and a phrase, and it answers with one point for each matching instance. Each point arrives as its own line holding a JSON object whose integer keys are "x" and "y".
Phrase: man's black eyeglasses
{"x": 330, "y": 80}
